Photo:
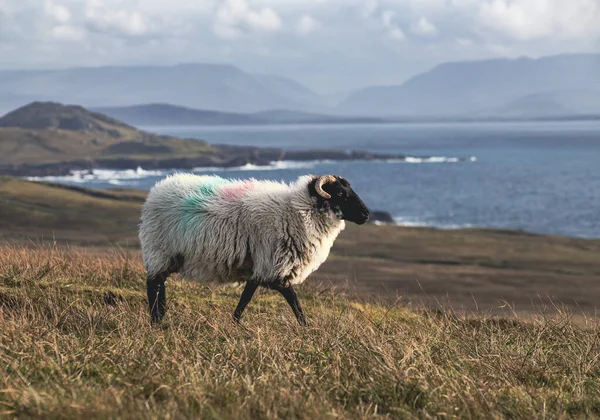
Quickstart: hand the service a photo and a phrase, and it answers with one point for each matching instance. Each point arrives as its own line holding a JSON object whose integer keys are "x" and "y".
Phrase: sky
{"x": 330, "y": 45}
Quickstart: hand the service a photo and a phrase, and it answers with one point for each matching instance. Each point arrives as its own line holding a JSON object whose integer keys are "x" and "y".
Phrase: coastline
{"x": 223, "y": 156}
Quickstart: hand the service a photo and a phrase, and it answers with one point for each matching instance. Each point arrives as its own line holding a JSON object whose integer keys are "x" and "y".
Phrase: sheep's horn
{"x": 322, "y": 180}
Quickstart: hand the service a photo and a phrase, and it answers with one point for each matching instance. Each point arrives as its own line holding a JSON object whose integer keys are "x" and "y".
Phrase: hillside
{"x": 482, "y": 87}
{"x": 47, "y": 212}
{"x": 47, "y": 132}
{"x": 39, "y": 115}
{"x": 463, "y": 268}
{"x": 196, "y": 85}
{"x": 76, "y": 342}
{"x": 548, "y": 104}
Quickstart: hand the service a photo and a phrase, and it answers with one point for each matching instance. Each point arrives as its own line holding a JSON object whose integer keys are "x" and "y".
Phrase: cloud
{"x": 368, "y": 8}
{"x": 68, "y": 33}
{"x": 57, "y": 12}
{"x": 423, "y": 27}
{"x": 234, "y": 17}
{"x": 3, "y": 7}
{"x": 101, "y": 18}
{"x": 533, "y": 19}
{"x": 389, "y": 20}
{"x": 307, "y": 24}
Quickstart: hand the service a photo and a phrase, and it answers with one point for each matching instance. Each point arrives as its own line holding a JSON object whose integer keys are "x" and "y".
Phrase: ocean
{"x": 542, "y": 177}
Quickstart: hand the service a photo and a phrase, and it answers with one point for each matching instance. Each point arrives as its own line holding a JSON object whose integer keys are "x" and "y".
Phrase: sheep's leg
{"x": 155, "y": 286}
{"x": 292, "y": 299}
{"x": 157, "y": 297}
{"x": 251, "y": 286}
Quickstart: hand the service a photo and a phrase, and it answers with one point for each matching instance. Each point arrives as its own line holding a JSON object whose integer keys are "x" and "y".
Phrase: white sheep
{"x": 265, "y": 233}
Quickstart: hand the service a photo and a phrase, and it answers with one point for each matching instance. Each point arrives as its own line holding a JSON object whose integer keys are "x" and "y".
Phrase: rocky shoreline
{"x": 225, "y": 156}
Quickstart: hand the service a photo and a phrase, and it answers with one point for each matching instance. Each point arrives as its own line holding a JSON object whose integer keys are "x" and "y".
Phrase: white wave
{"x": 432, "y": 159}
{"x": 112, "y": 176}
{"x": 294, "y": 164}
{"x": 415, "y": 222}
{"x": 272, "y": 166}
{"x": 409, "y": 222}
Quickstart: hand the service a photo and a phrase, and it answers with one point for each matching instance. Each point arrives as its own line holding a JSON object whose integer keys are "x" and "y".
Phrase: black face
{"x": 344, "y": 201}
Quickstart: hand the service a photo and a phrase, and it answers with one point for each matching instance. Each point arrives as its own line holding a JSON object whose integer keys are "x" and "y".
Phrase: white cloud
{"x": 101, "y": 18}
{"x": 3, "y": 6}
{"x": 67, "y": 33}
{"x": 533, "y": 19}
{"x": 423, "y": 27}
{"x": 464, "y": 42}
{"x": 389, "y": 20}
{"x": 369, "y": 7}
{"x": 57, "y": 12}
{"x": 397, "y": 34}
{"x": 307, "y": 24}
{"x": 388, "y": 17}
{"x": 234, "y": 17}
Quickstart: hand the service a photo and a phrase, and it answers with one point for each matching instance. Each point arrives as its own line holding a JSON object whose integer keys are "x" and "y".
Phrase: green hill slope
{"x": 47, "y": 132}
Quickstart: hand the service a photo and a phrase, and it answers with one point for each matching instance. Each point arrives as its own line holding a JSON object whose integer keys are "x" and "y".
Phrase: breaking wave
{"x": 438, "y": 159}
{"x": 119, "y": 177}
{"x": 415, "y": 222}
{"x": 272, "y": 166}
{"x": 112, "y": 176}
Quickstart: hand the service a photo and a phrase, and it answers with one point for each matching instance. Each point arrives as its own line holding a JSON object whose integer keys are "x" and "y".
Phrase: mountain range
{"x": 166, "y": 114}
{"x": 207, "y": 86}
{"x": 557, "y": 85}
{"x": 562, "y": 85}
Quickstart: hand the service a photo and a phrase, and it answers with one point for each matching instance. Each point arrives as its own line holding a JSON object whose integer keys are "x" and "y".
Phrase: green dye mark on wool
{"x": 194, "y": 205}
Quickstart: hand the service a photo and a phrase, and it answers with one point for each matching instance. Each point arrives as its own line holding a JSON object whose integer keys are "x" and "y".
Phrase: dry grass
{"x": 75, "y": 342}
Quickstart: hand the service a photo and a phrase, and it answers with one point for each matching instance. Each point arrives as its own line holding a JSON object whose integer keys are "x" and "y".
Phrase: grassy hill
{"x": 468, "y": 269}
{"x": 46, "y": 132}
{"x": 39, "y": 211}
{"x": 76, "y": 342}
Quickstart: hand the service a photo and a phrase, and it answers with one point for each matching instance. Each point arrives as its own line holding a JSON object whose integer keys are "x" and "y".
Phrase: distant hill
{"x": 166, "y": 114}
{"x": 491, "y": 86}
{"x": 48, "y": 132}
{"x": 284, "y": 116}
{"x": 205, "y": 86}
{"x": 548, "y": 104}
{"x": 46, "y": 115}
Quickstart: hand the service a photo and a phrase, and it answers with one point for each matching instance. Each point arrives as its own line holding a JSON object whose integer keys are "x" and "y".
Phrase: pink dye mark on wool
{"x": 233, "y": 191}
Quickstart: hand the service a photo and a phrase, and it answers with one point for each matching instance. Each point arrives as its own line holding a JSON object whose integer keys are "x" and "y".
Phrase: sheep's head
{"x": 335, "y": 193}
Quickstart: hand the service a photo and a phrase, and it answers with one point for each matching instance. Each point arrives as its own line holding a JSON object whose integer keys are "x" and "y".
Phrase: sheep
{"x": 263, "y": 233}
